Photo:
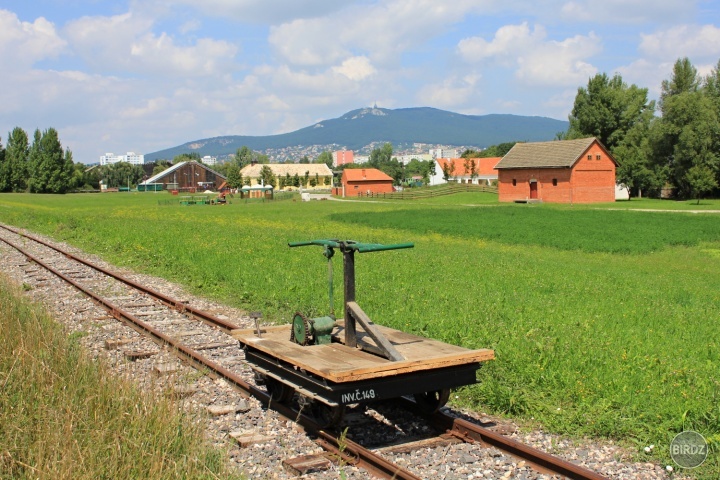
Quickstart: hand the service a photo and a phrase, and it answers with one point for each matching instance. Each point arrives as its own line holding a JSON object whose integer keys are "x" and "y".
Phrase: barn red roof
{"x": 365, "y": 175}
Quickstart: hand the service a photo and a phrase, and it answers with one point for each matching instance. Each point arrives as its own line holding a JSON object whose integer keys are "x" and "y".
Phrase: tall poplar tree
{"x": 17, "y": 160}
{"x": 48, "y": 164}
{"x": 4, "y": 171}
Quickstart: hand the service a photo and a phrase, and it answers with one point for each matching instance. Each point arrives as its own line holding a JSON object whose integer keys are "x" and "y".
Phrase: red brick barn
{"x": 365, "y": 180}
{"x": 567, "y": 171}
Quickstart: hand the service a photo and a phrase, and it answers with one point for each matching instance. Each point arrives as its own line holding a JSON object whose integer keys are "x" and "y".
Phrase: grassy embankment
{"x": 63, "y": 416}
{"x": 604, "y": 322}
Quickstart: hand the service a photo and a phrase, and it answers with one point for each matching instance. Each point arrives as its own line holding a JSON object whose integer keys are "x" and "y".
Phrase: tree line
{"x": 43, "y": 166}
{"x": 679, "y": 148}
{"x": 40, "y": 167}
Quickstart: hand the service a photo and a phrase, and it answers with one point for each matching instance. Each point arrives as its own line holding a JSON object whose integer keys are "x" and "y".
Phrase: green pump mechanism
{"x": 318, "y": 331}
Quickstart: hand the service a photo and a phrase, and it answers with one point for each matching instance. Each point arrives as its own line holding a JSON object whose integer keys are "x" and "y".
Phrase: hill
{"x": 405, "y": 126}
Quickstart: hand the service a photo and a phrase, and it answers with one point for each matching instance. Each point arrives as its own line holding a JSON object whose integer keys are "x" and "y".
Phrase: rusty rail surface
{"x": 542, "y": 461}
{"x": 344, "y": 450}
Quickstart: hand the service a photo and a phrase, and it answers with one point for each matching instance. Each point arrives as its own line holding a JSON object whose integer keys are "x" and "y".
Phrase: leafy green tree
{"x": 688, "y": 132}
{"x": 420, "y": 168}
{"x": 160, "y": 166}
{"x": 187, "y": 157}
{"x": 607, "y": 109}
{"x": 267, "y": 176}
{"x": 380, "y": 156}
{"x": 700, "y": 180}
{"x": 4, "y": 171}
{"x": 121, "y": 174}
{"x": 304, "y": 159}
{"x": 48, "y": 164}
{"x": 17, "y": 158}
{"x": 326, "y": 158}
{"x": 470, "y": 168}
{"x": 447, "y": 169}
{"x": 243, "y": 156}
{"x": 499, "y": 150}
{"x": 620, "y": 116}
{"x": 635, "y": 170}
{"x": 82, "y": 178}
{"x": 234, "y": 178}
{"x": 684, "y": 80}
{"x": 296, "y": 180}
{"x": 87, "y": 178}
{"x": 69, "y": 169}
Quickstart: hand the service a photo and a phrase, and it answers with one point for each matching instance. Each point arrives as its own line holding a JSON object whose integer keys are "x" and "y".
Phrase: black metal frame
{"x": 361, "y": 391}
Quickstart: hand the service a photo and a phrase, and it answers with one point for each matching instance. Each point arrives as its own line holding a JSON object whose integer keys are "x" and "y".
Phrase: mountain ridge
{"x": 359, "y": 129}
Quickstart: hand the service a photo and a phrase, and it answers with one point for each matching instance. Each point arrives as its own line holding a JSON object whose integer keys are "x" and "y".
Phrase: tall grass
{"x": 604, "y": 323}
{"x": 63, "y": 416}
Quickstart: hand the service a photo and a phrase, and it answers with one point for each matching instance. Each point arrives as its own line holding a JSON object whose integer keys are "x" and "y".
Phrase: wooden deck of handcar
{"x": 338, "y": 363}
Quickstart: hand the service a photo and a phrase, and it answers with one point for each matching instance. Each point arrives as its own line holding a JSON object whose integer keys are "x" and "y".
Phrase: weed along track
{"x": 183, "y": 348}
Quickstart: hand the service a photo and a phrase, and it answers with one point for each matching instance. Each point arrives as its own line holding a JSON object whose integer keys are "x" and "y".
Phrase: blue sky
{"x": 147, "y": 75}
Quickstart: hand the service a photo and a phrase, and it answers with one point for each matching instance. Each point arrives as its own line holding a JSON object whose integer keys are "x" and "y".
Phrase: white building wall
{"x": 443, "y": 153}
{"x": 131, "y": 157}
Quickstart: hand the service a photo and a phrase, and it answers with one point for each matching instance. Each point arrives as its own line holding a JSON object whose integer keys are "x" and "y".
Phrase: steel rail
{"x": 343, "y": 450}
{"x": 169, "y": 301}
{"x": 468, "y": 431}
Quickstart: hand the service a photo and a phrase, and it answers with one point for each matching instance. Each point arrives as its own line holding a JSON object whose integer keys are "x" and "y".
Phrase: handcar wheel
{"x": 280, "y": 392}
{"x": 327, "y": 415}
{"x": 431, "y": 402}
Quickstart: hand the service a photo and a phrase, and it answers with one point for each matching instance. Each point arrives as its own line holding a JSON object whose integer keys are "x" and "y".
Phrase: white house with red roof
{"x": 479, "y": 171}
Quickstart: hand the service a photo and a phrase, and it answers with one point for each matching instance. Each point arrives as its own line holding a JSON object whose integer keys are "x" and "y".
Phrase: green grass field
{"x": 604, "y": 323}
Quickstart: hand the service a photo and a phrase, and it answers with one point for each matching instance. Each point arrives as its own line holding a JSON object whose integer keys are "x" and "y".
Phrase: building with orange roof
{"x": 480, "y": 171}
{"x": 365, "y": 180}
{"x": 567, "y": 171}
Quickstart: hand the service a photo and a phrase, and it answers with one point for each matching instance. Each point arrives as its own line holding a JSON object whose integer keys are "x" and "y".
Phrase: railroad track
{"x": 203, "y": 340}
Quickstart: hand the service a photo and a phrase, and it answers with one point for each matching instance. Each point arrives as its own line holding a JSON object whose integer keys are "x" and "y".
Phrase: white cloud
{"x": 125, "y": 43}
{"x": 381, "y": 30}
{"x": 538, "y": 61}
{"x": 23, "y": 43}
{"x": 509, "y": 41}
{"x": 452, "y": 92}
{"x": 356, "y": 68}
{"x": 682, "y": 41}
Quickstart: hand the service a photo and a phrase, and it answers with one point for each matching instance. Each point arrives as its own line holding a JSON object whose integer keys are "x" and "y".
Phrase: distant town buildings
{"x": 131, "y": 157}
{"x": 443, "y": 153}
{"x": 208, "y": 160}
